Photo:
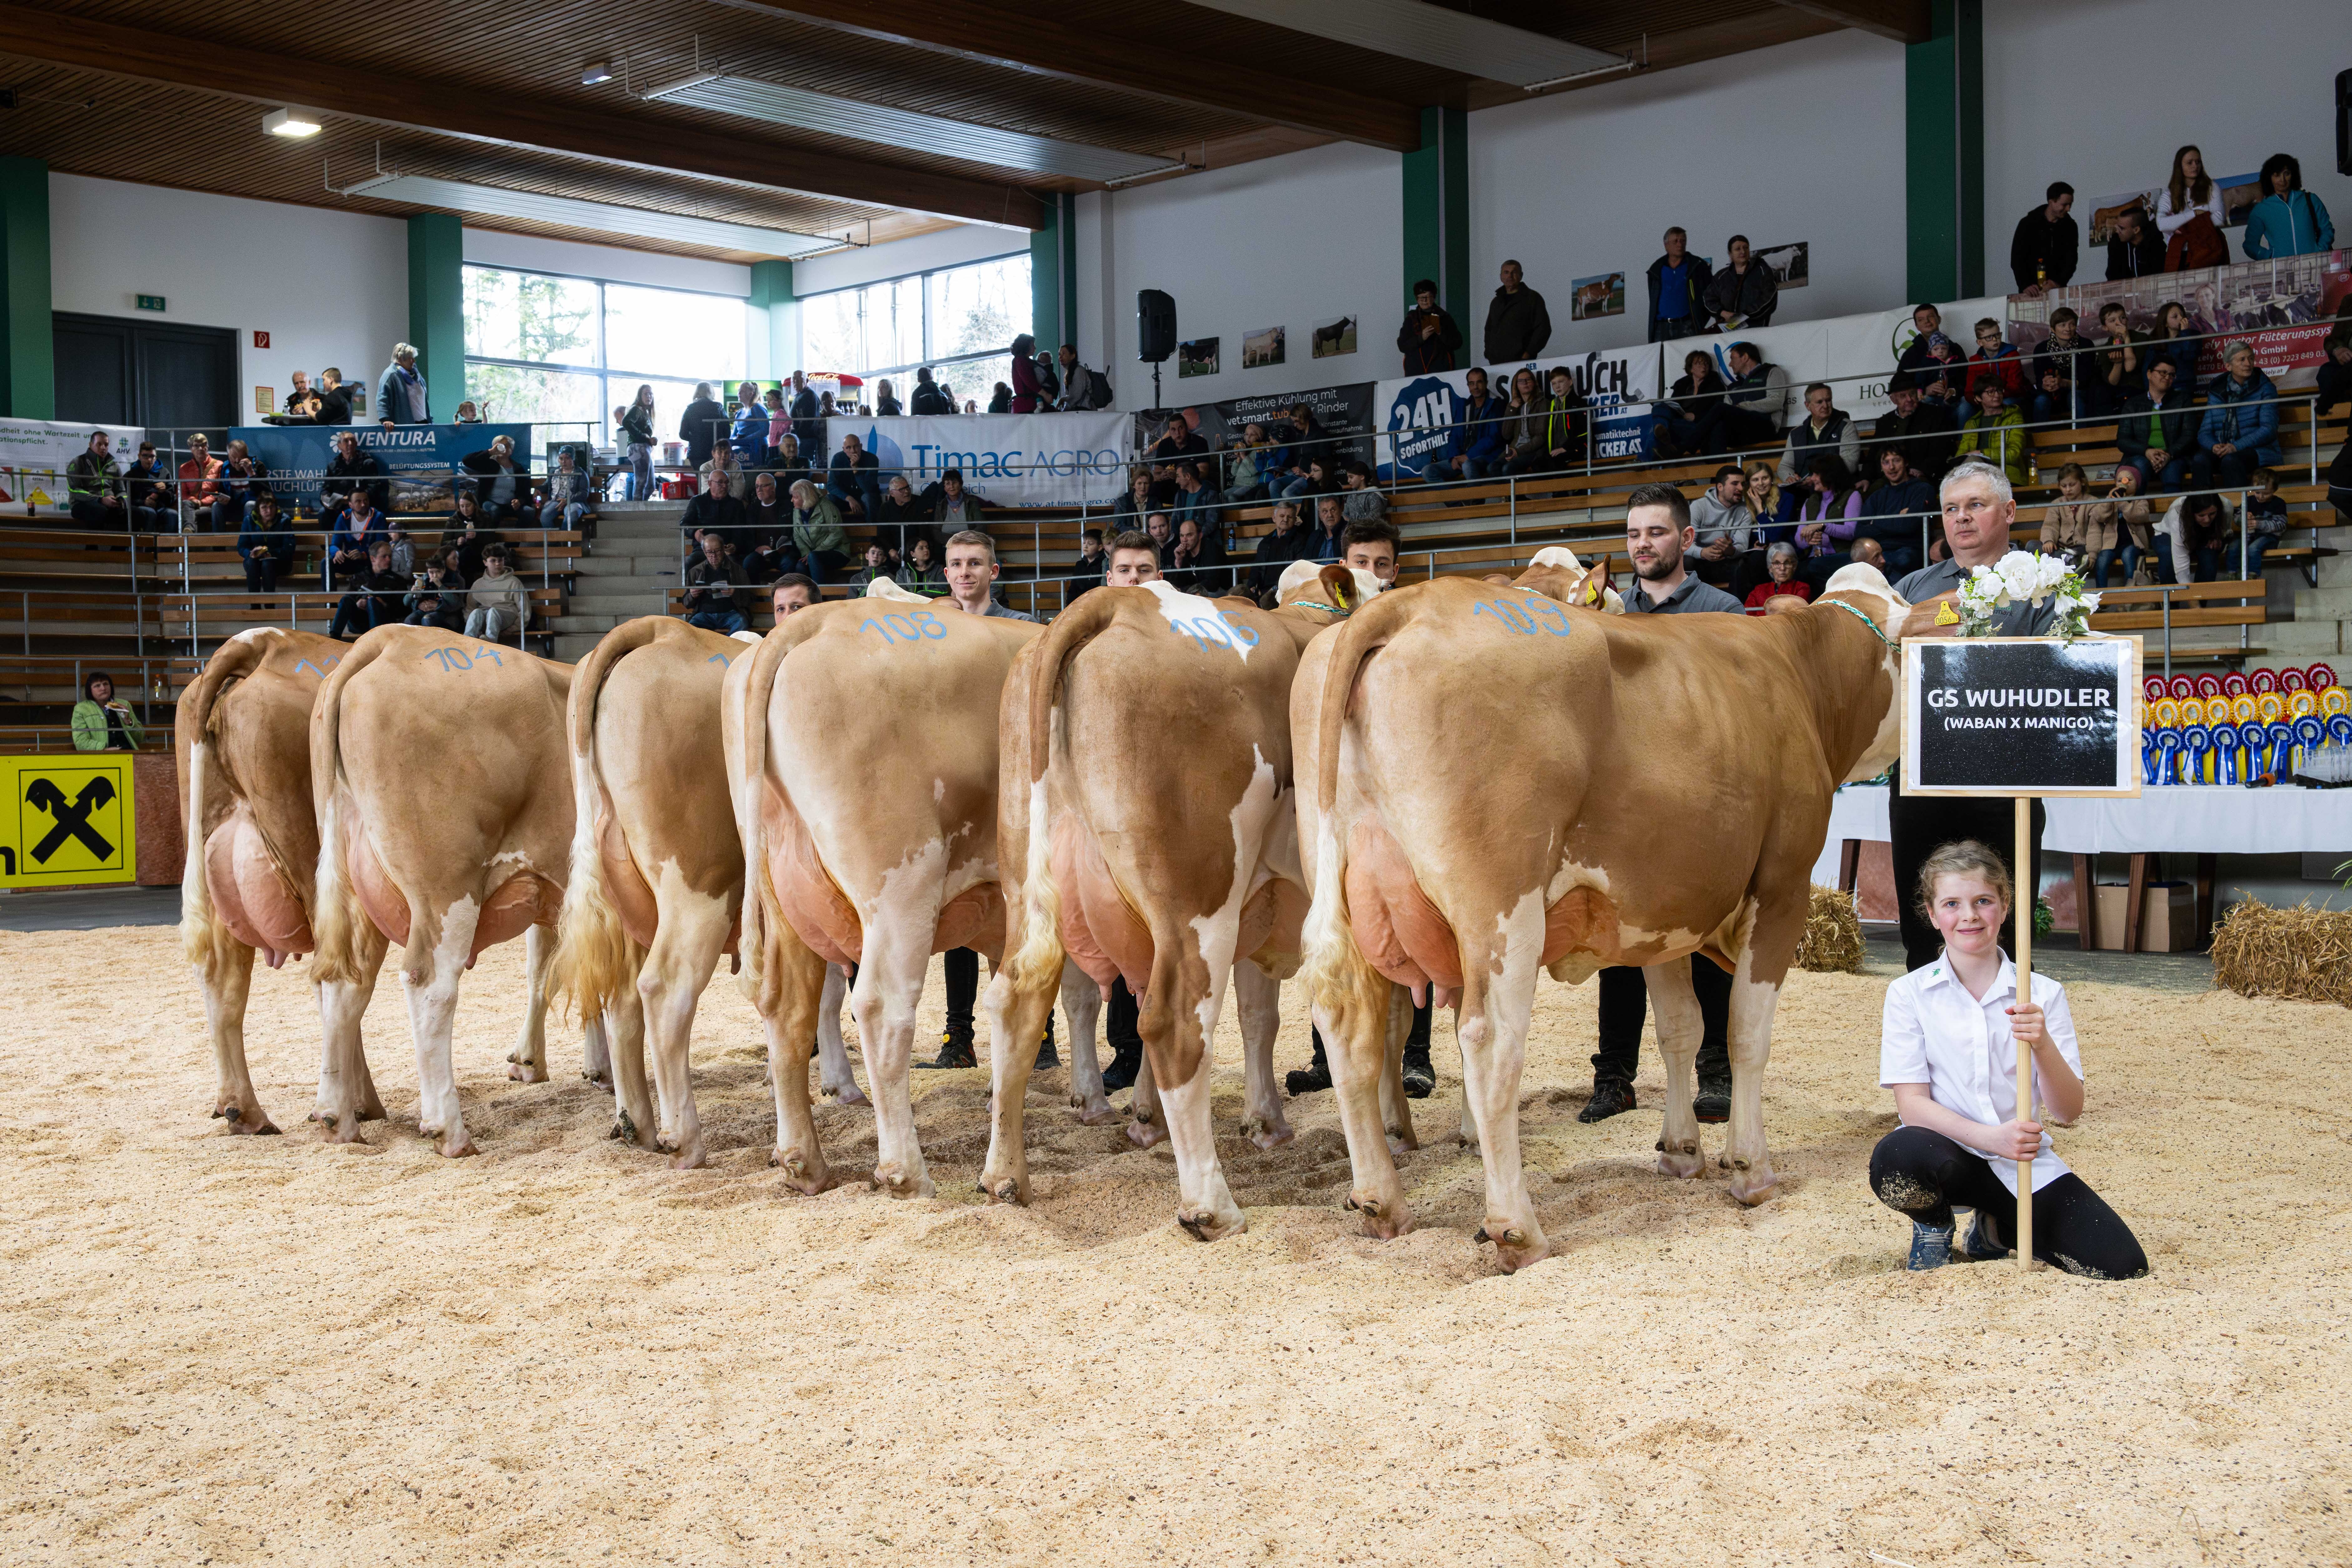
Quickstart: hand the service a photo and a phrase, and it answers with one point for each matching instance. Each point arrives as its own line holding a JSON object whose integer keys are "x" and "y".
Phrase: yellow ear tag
{"x": 1946, "y": 616}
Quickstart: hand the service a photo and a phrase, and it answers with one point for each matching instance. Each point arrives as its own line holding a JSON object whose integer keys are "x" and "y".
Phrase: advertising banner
{"x": 2285, "y": 308}
{"x": 1422, "y": 414}
{"x": 1343, "y": 414}
{"x": 67, "y": 820}
{"x": 1866, "y": 345}
{"x": 1012, "y": 460}
{"x": 33, "y": 458}
{"x": 422, "y": 462}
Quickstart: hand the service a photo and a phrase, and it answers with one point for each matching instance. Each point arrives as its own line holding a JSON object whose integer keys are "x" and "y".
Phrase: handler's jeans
{"x": 1626, "y": 998}
{"x": 1921, "y": 824}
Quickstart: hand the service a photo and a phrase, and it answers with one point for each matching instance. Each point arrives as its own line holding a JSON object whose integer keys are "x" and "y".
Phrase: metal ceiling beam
{"x": 1905, "y": 21}
{"x": 1431, "y": 36}
{"x": 1160, "y": 68}
{"x": 503, "y": 119}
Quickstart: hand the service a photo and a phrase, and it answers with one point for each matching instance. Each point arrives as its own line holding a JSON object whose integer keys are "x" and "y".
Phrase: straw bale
{"x": 2302, "y": 953}
{"x": 1833, "y": 941}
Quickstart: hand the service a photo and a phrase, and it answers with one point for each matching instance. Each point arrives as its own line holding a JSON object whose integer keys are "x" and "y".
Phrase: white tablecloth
{"x": 2185, "y": 820}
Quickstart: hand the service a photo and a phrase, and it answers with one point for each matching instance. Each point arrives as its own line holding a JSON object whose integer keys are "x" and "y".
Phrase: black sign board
{"x": 2022, "y": 716}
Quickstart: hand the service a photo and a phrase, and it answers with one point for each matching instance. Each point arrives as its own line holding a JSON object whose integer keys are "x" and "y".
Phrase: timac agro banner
{"x": 33, "y": 458}
{"x": 421, "y": 460}
{"x": 1012, "y": 460}
{"x": 1422, "y": 414}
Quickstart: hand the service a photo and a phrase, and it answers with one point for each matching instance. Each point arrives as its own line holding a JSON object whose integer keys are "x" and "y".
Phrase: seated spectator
{"x": 401, "y": 394}
{"x": 2134, "y": 529}
{"x": 819, "y": 542}
{"x": 2178, "y": 342}
{"x": 431, "y": 605}
{"x": 1945, "y": 376}
{"x": 501, "y": 481}
{"x": 243, "y": 477}
{"x": 1896, "y": 513}
{"x": 1926, "y": 322}
{"x": 1248, "y": 464}
{"x": 1131, "y": 507}
{"x": 2240, "y": 431}
{"x": 794, "y": 593}
{"x": 94, "y": 484}
{"x": 103, "y": 721}
{"x": 1763, "y": 501}
{"x": 1868, "y": 552}
{"x": 1827, "y": 513}
{"x": 767, "y": 518}
{"x": 855, "y": 479}
{"x": 351, "y": 471}
{"x": 1998, "y": 364}
{"x": 358, "y": 530}
{"x": 2266, "y": 522}
{"x": 1325, "y": 541}
{"x": 2058, "y": 368}
{"x": 1028, "y": 390}
{"x": 1756, "y": 404}
{"x": 1429, "y": 339}
{"x": 1000, "y": 400}
{"x": 1361, "y": 500}
{"x": 927, "y": 398}
{"x": 1745, "y": 293}
{"x": 2191, "y": 534}
{"x": 471, "y": 531}
{"x": 567, "y": 493}
{"x": 1278, "y": 549}
{"x": 1373, "y": 547}
{"x": 404, "y": 548}
{"x": 1318, "y": 480}
{"x": 1196, "y": 498}
{"x": 2133, "y": 250}
{"x": 720, "y": 511}
{"x": 1561, "y": 428}
{"x": 1996, "y": 433}
{"x": 1197, "y": 565}
{"x": 2114, "y": 374}
{"x": 1721, "y": 529}
{"x": 723, "y": 459}
{"x": 2042, "y": 251}
{"x": 1162, "y": 528}
{"x": 205, "y": 502}
{"x": 2158, "y": 433}
{"x": 142, "y": 487}
{"x": 1780, "y": 577}
{"x": 1298, "y": 439}
{"x": 2288, "y": 220}
{"x": 1086, "y": 571}
{"x": 2335, "y": 373}
{"x": 955, "y": 507}
{"x": 920, "y": 571}
{"x": 2074, "y": 525}
{"x": 1825, "y": 428}
{"x": 265, "y": 545}
{"x": 1926, "y": 433}
{"x": 1479, "y": 453}
{"x": 377, "y": 596}
{"x": 1678, "y": 284}
{"x": 711, "y": 580}
{"x": 443, "y": 574}
{"x": 747, "y": 436}
{"x": 784, "y": 461}
{"x": 1689, "y": 423}
{"x": 875, "y": 567}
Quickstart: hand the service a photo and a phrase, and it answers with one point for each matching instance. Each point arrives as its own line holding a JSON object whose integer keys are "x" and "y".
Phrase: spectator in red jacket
{"x": 1781, "y": 561}
{"x": 209, "y": 506}
{"x": 1995, "y": 360}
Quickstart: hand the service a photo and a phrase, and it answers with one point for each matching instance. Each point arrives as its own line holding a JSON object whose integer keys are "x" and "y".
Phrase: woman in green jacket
{"x": 103, "y": 721}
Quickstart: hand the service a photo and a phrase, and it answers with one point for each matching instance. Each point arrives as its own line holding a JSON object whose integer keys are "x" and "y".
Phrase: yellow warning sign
{"x": 67, "y": 819}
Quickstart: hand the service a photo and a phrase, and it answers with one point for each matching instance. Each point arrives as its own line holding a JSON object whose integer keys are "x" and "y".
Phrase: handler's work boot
{"x": 1713, "y": 1101}
{"x": 1126, "y": 1062}
{"x": 1047, "y": 1056}
{"x": 1931, "y": 1246}
{"x": 1311, "y": 1079}
{"x": 955, "y": 1050}
{"x": 1611, "y": 1097}
{"x": 1420, "y": 1078}
{"x": 1984, "y": 1244}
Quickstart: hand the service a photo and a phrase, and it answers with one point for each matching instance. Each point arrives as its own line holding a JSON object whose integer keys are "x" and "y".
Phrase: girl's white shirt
{"x": 2167, "y": 221}
{"x": 1937, "y": 1033}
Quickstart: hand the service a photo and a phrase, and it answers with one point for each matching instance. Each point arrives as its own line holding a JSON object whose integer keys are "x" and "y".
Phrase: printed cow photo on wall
{"x": 1789, "y": 263}
{"x": 1595, "y": 296}
{"x": 1197, "y": 356}
{"x": 1263, "y": 347}
{"x": 1335, "y": 338}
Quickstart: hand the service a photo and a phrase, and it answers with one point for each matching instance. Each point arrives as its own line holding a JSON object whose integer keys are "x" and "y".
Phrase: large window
{"x": 568, "y": 351}
{"x": 961, "y": 322}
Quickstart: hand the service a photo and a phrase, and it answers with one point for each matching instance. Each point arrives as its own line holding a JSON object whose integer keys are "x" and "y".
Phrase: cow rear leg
{"x": 636, "y": 1121}
{"x": 596, "y": 1053}
{"x": 1081, "y": 1002}
{"x": 792, "y": 1028}
{"x": 833, "y": 1072}
{"x": 1015, "y": 1014}
{"x": 1752, "y": 1005}
{"x": 234, "y": 1100}
{"x": 890, "y": 983}
{"x": 1396, "y": 1110}
{"x": 1493, "y": 1031}
{"x": 527, "y": 1060}
{"x": 670, "y": 981}
{"x": 1355, "y": 1027}
{"x": 1257, "y": 996}
{"x": 1680, "y": 1028}
{"x": 1177, "y": 1018}
{"x": 431, "y": 980}
{"x": 347, "y": 1094}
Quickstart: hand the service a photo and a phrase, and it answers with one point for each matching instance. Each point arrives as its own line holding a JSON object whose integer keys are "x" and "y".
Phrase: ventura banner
{"x": 422, "y": 462}
{"x": 1013, "y": 459}
{"x": 1422, "y": 414}
{"x": 1343, "y": 414}
{"x": 33, "y": 454}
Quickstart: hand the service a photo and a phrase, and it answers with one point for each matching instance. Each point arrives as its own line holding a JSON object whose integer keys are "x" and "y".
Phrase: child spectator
{"x": 2055, "y": 369}
{"x": 2075, "y": 526}
{"x": 877, "y": 564}
{"x": 1998, "y": 364}
{"x": 2266, "y": 522}
{"x": 1361, "y": 500}
{"x": 920, "y": 572}
{"x": 1086, "y": 571}
{"x": 497, "y": 602}
{"x": 1780, "y": 566}
{"x": 1996, "y": 433}
{"x": 2134, "y": 527}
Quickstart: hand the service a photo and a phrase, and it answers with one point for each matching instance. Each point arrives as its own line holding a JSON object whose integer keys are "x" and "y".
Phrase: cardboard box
{"x": 2168, "y": 917}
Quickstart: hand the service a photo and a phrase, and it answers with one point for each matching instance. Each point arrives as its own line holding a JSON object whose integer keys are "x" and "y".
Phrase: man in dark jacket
{"x": 1924, "y": 433}
{"x": 2136, "y": 250}
{"x": 808, "y": 417}
{"x": 1430, "y": 338}
{"x": 927, "y": 397}
{"x": 1277, "y": 550}
{"x": 1678, "y": 283}
{"x": 334, "y": 398}
{"x": 351, "y": 469}
{"x": 2042, "y": 253}
{"x": 1518, "y": 324}
{"x": 1746, "y": 292}
{"x": 700, "y": 426}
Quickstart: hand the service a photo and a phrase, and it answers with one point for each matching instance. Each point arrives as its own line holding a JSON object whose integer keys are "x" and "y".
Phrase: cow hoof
{"x": 343, "y": 1130}
{"x": 1092, "y": 1112}
{"x": 458, "y": 1147}
{"x": 1207, "y": 1224}
{"x": 1267, "y": 1133}
{"x": 1752, "y": 1184}
{"x": 689, "y": 1160}
{"x": 246, "y": 1123}
{"x": 1514, "y": 1251}
{"x": 1146, "y": 1135}
{"x": 899, "y": 1184}
{"x": 601, "y": 1079}
{"x": 1384, "y": 1220}
{"x": 849, "y": 1094}
{"x": 800, "y": 1176}
{"x": 1400, "y": 1145}
{"x": 1013, "y": 1190}
{"x": 1681, "y": 1161}
{"x": 527, "y": 1072}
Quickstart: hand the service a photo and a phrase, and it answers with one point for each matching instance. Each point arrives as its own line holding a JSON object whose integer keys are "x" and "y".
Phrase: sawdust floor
{"x": 241, "y": 1350}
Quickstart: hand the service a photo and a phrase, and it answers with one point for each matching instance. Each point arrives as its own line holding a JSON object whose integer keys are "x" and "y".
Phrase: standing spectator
{"x": 1678, "y": 284}
{"x": 2134, "y": 251}
{"x": 1026, "y": 388}
{"x": 205, "y": 502}
{"x": 957, "y": 507}
{"x": 1721, "y": 527}
{"x": 1086, "y": 571}
{"x": 808, "y": 415}
{"x": 2158, "y": 433}
{"x": 94, "y": 484}
{"x": 1996, "y": 433}
{"x": 700, "y": 426}
{"x": 2057, "y": 369}
{"x": 1082, "y": 389}
{"x": 1780, "y": 577}
{"x": 921, "y": 571}
{"x": 334, "y": 398}
{"x": 503, "y": 484}
{"x": 886, "y": 400}
{"x": 2134, "y": 527}
{"x": 1430, "y": 338}
{"x": 265, "y": 546}
{"x": 376, "y": 597}
{"x": 1197, "y": 565}
{"x": 1926, "y": 433}
{"x": 1999, "y": 365}
{"x": 2240, "y": 432}
{"x": 927, "y": 397}
{"x": 243, "y": 477}
{"x": 2178, "y": 342}
{"x": 818, "y": 539}
{"x": 1518, "y": 324}
{"x": 401, "y": 396}
{"x": 1825, "y": 428}
{"x": 1755, "y": 406}
{"x": 749, "y": 433}
{"x": 854, "y": 478}
{"x": 2288, "y": 220}
{"x": 1562, "y": 429}
{"x": 1000, "y": 401}
{"x": 355, "y": 532}
{"x": 1690, "y": 421}
{"x": 711, "y": 580}
{"x": 1285, "y": 543}
{"x": 780, "y": 427}
{"x": 2042, "y": 251}
{"x": 103, "y": 721}
{"x": 1897, "y": 513}
{"x": 636, "y": 423}
{"x": 1361, "y": 500}
{"x": 2114, "y": 375}
{"x": 1745, "y": 293}
{"x": 468, "y": 414}
{"x": 2266, "y": 522}
{"x": 2189, "y": 215}
{"x": 567, "y": 493}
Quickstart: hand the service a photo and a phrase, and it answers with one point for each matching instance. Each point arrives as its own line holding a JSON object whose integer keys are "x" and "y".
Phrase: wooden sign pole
{"x": 2024, "y": 916}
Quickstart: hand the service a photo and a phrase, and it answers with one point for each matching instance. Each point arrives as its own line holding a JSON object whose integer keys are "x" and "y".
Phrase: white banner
{"x": 1865, "y": 346}
{"x": 1012, "y": 460}
{"x": 33, "y": 458}
{"x": 1421, "y": 414}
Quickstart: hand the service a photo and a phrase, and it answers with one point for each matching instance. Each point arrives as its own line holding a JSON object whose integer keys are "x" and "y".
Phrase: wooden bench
{"x": 546, "y": 555}
{"x": 211, "y": 617}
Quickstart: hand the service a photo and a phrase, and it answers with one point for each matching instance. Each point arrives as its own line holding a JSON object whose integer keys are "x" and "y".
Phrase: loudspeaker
{"x": 1155, "y": 326}
{"x": 2343, "y": 123}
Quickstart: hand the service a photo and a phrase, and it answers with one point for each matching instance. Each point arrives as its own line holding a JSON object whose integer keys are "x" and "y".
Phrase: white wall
{"x": 329, "y": 287}
{"x": 533, "y": 253}
{"x": 900, "y": 258}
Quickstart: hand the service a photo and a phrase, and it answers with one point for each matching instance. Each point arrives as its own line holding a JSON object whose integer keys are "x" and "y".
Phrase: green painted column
{"x": 774, "y": 325}
{"x": 1944, "y": 155}
{"x": 436, "y": 308}
{"x": 1437, "y": 218}
{"x": 28, "y": 372}
{"x": 1053, "y": 274}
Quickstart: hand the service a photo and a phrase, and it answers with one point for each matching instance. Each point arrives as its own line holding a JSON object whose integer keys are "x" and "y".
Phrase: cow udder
{"x": 1399, "y": 930}
{"x": 1100, "y": 931}
{"x": 811, "y": 901}
{"x": 249, "y": 897}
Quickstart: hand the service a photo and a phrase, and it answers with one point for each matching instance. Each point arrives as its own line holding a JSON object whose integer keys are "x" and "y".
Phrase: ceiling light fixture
{"x": 596, "y": 73}
{"x": 291, "y": 122}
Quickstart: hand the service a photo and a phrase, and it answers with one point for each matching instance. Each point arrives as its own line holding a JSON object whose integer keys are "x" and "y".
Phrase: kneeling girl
{"x": 1950, "y": 1053}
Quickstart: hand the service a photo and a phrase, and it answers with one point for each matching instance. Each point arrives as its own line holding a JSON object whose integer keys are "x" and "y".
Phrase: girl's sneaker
{"x": 1931, "y": 1246}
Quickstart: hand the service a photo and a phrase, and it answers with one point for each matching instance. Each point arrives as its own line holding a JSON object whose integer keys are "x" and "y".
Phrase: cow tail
{"x": 203, "y": 937}
{"x": 336, "y": 915}
{"x": 762, "y": 986}
{"x": 594, "y": 956}
{"x": 1329, "y": 957}
{"x": 1037, "y": 960}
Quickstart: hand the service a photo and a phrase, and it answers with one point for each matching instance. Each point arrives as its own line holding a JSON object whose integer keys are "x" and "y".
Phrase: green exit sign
{"x": 150, "y": 302}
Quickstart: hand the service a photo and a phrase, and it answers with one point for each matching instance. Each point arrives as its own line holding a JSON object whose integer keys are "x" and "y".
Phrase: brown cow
{"x": 444, "y": 825}
{"x": 1640, "y": 789}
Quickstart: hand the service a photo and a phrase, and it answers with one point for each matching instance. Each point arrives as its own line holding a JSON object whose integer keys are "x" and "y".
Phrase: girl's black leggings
{"x": 1924, "y": 1174}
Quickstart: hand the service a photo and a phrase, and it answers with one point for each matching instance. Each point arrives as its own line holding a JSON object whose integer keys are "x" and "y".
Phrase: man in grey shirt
{"x": 1721, "y": 523}
{"x": 1657, "y": 533}
{"x": 1979, "y": 509}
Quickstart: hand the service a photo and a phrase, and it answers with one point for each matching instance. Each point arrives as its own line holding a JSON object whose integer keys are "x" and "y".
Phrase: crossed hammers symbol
{"x": 72, "y": 818}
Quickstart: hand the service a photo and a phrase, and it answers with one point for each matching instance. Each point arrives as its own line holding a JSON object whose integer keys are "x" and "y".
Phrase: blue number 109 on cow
{"x": 1526, "y": 617}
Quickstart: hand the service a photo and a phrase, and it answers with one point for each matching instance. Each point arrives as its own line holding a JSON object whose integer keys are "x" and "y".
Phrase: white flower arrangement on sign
{"x": 2020, "y": 577}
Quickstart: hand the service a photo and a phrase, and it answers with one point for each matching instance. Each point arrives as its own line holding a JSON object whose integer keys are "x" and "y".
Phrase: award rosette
{"x": 2264, "y": 680}
{"x": 2334, "y": 700}
{"x": 2299, "y": 702}
{"x": 2253, "y": 758}
{"x": 2279, "y": 737}
{"x": 2271, "y": 706}
{"x": 2198, "y": 738}
{"x": 2339, "y": 729}
{"x": 2309, "y": 735}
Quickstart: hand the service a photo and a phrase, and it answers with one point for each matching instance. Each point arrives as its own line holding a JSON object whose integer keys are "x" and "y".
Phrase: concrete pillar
{"x": 436, "y": 308}
{"x": 1437, "y": 218}
{"x": 28, "y": 375}
{"x": 1944, "y": 155}
{"x": 774, "y": 323}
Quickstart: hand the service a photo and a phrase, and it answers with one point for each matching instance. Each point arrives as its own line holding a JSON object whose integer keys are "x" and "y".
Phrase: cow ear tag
{"x": 1946, "y": 615}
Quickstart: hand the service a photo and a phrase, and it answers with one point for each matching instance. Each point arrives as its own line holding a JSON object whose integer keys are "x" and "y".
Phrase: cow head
{"x": 1862, "y": 590}
{"x": 1555, "y": 574}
